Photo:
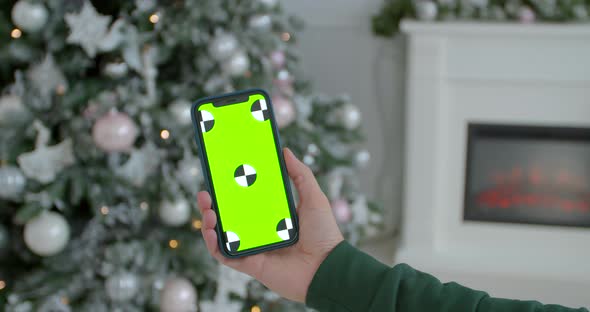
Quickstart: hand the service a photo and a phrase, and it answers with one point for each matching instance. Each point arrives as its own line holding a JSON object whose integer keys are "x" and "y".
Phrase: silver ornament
{"x": 141, "y": 164}
{"x": 12, "y": 182}
{"x": 175, "y": 213}
{"x": 237, "y": 64}
{"x": 181, "y": 110}
{"x": 47, "y": 234}
{"x": 178, "y": 295}
{"x": 260, "y": 22}
{"x": 361, "y": 158}
{"x": 122, "y": 286}
{"x": 116, "y": 70}
{"x": 47, "y": 77}
{"x": 29, "y": 16}
{"x": 223, "y": 46}
{"x": 87, "y": 28}
{"x": 349, "y": 116}
{"x": 12, "y": 110}
{"x": 426, "y": 10}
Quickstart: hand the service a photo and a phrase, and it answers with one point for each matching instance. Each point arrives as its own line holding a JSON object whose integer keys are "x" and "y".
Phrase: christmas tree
{"x": 98, "y": 165}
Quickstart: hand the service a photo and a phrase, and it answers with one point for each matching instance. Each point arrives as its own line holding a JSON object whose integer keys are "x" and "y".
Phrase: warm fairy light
{"x": 144, "y": 206}
{"x": 65, "y": 300}
{"x": 165, "y": 134}
{"x": 60, "y": 89}
{"x": 104, "y": 210}
{"x": 2, "y": 284}
{"x": 154, "y": 18}
{"x": 16, "y": 33}
{"x": 173, "y": 244}
{"x": 255, "y": 309}
{"x": 197, "y": 224}
{"x": 248, "y": 74}
{"x": 285, "y": 36}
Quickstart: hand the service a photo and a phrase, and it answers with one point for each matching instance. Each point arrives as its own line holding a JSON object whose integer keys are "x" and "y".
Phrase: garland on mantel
{"x": 386, "y": 22}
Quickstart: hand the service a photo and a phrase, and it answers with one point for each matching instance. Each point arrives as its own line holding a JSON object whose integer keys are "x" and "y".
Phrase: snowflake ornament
{"x": 88, "y": 28}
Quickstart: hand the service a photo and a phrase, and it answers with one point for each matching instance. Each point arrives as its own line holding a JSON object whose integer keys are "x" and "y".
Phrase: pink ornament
{"x": 277, "y": 59}
{"x": 114, "y": 132}
{"x": 283, "y": 109}
{"x": 341, "y": 211}
{"x": 526, "y": 15}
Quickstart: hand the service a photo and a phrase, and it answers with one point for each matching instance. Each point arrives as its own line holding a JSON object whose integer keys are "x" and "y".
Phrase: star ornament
{"x": 88, "y": 28}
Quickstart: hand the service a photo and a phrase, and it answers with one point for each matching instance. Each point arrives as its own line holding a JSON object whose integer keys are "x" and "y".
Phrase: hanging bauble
{"x": 237, "y": 64}
{"x": 175, "y": 213}
{"x": 181, "y": 110}
{"x": 313, "y": 149}
{"x": 114, "y": 132}
{"x": 426, "y": 10}
{"x": 178, "y": 295}
{"x": 269, "y": 4}
{"x": 12, "y": 182}
{"x": 29, "y": 16}
{"x": 526, "y": 15}
{"x": 349, "y": 116}
{"x": 362, "y": 158}
{"x": 283, "y": 110}
{"x": 122, "y": 286}
{"x": 341, "y": 210}
{"x": 4, "y": 240}
{"x": 116, "y": 70}
{"x": 47, "y": 234}
{"x": 223, "y": 46}
{"x": 260, "y": 22}
{"x": 277, "y": 58}
{"x": 308, "y": 160}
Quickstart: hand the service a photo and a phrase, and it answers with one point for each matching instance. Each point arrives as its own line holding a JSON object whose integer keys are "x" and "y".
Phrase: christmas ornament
{"x": 268, "y": 4}
{"x": 114, "y": 132}
{"x": 47, "y": 77}
{"x": 87, "y": 28}
{"x": 361, "y": 158}
{"x": 4, "y": 240}
{"x": 580, "y": 12}
{"x": 426, "y": 10}
{"x": 175, "y": 213}
{"x": 341, "y": 211}
{"x": 360, "y": 210}
{"x": 284, "y": 82}
{"x": 526, "y": 15}
{"x": 277, "y": 59}
{"x": 237, "y": 64}
{"x": 116, "y": 70}
{"x": 189, "y": 172}
{"x": 122, "y": 286}
{"x": 349, "y": 116}
{"x": 260, "y": 22}
{"x": 178, "y": 295}
{"x": 12, "y": 109}
{"x": 334, "y": 183}
{"x": 140, "y": 165}
{"x": 283, "y": 109}
{"x": 45, "y": 162}
{"x": 12, "y": 182}
{"x": 29, "y": 16}
{"x": 223, "y": 46}
{"x": 47, "y": 234}
{"x": 308, "y": 160}
{"x": 313, "y": 149}
{"x": 181, "y": 110}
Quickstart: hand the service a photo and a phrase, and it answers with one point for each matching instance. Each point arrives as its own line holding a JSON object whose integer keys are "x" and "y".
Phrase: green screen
{"x": 246, "y": 174}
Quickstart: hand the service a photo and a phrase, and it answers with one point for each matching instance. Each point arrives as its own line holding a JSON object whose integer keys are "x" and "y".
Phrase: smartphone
{"x": 245, "y": 172}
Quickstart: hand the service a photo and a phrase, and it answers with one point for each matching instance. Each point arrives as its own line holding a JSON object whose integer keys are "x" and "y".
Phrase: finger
{"x": 209, "y": 219}
{"x": 203, "y": 201}
{"x": 303, "y": 178}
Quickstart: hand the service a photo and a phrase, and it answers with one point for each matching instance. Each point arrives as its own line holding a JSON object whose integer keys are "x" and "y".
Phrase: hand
{"x": 287, "y": 271}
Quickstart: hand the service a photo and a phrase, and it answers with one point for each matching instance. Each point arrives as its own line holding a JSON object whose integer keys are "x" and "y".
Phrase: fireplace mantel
{"x": 460, "y": 73}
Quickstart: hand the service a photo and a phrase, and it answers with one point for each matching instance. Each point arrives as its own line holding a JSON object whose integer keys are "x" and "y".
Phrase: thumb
{"x": 304, "y": 180}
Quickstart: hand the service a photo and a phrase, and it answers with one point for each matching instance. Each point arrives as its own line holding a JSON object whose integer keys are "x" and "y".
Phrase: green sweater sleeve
{"x": 350, "y": 280}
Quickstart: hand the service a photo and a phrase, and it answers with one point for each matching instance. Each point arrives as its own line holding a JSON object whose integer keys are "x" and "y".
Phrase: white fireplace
{"x": 462, "y": 73}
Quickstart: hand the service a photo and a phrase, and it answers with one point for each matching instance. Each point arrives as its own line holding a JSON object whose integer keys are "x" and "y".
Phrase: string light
{"x": 165, "y": 134}
{"x": 173, "y": 244}
{"x": 2, "y": 284}
{"x": 154, "y": 18}
{"x": 104, "y": 210}
{"x": 197, "y": 224}
{"x": 65, "y": 300}
{"x": 16, "y": 33}
{"x": 60, "y": 89}
{"x": 255, "y": 308}
{"x": 144, "y": 206}
{"x": 285, "y": 36}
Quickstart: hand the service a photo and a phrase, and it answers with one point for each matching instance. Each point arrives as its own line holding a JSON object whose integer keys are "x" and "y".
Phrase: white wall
{"x": 341, "y": 55}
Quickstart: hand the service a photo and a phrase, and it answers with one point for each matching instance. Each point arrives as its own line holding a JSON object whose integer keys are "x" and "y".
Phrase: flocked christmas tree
{"x": 98, "y": 167}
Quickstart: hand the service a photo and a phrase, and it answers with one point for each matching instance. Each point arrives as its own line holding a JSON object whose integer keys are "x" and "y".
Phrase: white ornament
{"x": 116, "y": 70}
{"x": 114, "y": 37}
{"x": 175, "y": 213}
{"x": 12, "y": 182}
{"x": 178, "y": 295}
{"x": 362, "y": 157}
{"x": 12, "y": 109}
{"x": 223, "y": 46}
{"x": 189, "y": 172}
{"x": 349, "y": 116}
{"x": 181, "y": 110}
{"x": 47, "y": 234}
{"x": 237, "y": 64}
{"x": 87, "y": 28}
{"x": 260, "y": 22}
{"x": 45, "y": 162}
{"x": 140, "y": 165}
{"x": 29, "y": 16}
{"x": 122, "y": 286}
{"x": 47, "y": 77}
{"x": 426, "y": 10}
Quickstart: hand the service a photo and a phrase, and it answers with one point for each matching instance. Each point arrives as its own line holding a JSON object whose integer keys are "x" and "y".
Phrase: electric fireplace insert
{"x": 528, "y": 174}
